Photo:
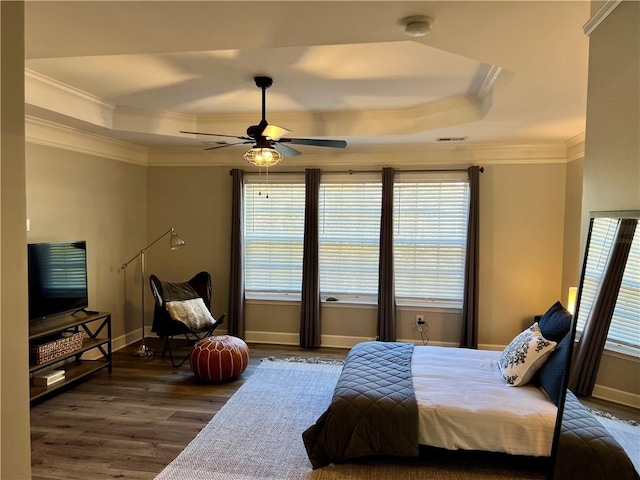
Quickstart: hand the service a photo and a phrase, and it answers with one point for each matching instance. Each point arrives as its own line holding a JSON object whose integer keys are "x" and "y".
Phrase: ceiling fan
{"x": 269, "y": 144}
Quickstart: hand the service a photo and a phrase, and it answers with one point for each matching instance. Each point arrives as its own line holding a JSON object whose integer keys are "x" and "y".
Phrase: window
{"x": 430, "y": 232}
{"x": 624, "y": 330}
{"x": 349, "y": 227}
{"x": 430, "y": 237}
{"x": 273, "y": 235}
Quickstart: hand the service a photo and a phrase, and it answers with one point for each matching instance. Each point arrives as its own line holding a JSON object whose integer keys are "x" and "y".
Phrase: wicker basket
{"x": 51, "y": 350}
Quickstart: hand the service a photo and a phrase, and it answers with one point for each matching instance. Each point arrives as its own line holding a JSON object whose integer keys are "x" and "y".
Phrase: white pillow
{"x": 193, "y": 313}
{"x": 524, "y": 356}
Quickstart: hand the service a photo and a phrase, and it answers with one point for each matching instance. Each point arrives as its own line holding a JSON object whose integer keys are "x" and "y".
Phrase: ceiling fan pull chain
{"x": 259, "y": 176}
{"x": 267, "y": 169}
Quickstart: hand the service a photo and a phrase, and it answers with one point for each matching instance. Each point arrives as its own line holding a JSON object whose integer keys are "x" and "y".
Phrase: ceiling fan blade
{"x": 315, "y": 142}
{"x": 274, "y": 132}
{"x": 226, "y": 145}
{"x": 286, "y": 150}
{"x": 217, "y": 135}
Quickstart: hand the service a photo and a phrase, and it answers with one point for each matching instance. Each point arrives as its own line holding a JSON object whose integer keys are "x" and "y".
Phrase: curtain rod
{"x": 351, "y": 172}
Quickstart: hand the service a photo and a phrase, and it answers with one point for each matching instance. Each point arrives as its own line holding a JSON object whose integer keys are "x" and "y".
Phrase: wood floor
{"x": 134, "y": 422}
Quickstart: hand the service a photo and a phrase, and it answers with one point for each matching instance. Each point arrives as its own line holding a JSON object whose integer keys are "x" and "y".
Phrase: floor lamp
{"x": 175, "y": 242}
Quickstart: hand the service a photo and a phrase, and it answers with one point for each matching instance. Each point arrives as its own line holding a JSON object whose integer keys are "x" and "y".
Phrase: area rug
{"x": 257, "y": 435}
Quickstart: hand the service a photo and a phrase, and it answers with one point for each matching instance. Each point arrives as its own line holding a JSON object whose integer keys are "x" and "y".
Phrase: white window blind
{"x": 349, "y": 227}
{"x": 625, "y": 323}
{"x": 273, "y": 234}
{"x": 430, "y": 237}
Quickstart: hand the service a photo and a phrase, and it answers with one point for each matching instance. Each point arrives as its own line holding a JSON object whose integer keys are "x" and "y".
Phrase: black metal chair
{"x": 166, "y": 326}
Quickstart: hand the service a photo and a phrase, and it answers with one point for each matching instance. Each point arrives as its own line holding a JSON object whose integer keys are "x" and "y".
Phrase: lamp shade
{"x": 571, "y": 299}
{"x": 263, "y": 157}
{"x": 175, "y": 241}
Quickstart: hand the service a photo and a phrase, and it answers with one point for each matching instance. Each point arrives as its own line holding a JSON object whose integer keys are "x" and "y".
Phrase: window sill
{"x": 616, "y": 349}
{"x": 272, "y": 297}
{"x": 356, "y": 301}
{"x": 622, "y": 351}
{"x": 431, "y": 305}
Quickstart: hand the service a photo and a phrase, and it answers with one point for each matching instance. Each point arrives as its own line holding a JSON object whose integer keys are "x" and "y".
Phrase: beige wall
{"x": 75, "y": 196}
{"x": 196, "y": 202}
{"x": 521, "y": 235}
{"x": 612, "y": 149}
{"x": 15, "y": 457}
{"x": 521, "y": 242}
{"x": 572, "y": 249}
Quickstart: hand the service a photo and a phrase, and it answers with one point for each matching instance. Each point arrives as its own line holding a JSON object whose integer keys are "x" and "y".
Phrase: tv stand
{"x": 91, "y": 324}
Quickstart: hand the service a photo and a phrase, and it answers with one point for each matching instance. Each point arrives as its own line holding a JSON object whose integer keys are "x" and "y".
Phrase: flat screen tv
{"x": 57, "y": 278}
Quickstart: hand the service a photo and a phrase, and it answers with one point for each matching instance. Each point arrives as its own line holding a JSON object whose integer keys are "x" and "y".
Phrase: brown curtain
{"x": 236, "y": 289}
{"x": 469, "y": 337}
{"x": 310, "y": 305}
{"x": 386, "y": 286}
{"x": 589, "y": 349}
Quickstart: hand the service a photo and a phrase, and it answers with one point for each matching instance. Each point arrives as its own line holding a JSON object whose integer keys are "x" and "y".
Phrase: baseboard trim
{"x": 616, "y": 396}
{"x": 117, "y": 343}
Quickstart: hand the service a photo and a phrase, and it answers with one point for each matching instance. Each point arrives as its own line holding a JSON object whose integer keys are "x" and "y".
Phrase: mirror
{"x": 606, "y": 311}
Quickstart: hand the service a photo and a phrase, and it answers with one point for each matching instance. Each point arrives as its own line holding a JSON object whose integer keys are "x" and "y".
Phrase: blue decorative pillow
{"x": 555, "y": 323}
{"x": 549, "y": 376}
{"x": 525, "y": 354}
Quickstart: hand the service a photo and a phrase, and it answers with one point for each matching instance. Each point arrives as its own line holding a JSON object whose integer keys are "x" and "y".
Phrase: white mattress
{"x": 463, "y": 403}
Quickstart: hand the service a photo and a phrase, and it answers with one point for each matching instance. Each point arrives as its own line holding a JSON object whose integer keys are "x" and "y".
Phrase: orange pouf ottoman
{"x": 218, "y": 358}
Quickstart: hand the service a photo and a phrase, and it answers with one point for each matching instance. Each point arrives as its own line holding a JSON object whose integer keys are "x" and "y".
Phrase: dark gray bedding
{"x": 587, "y": 451}
{"x": 373, "y": 410}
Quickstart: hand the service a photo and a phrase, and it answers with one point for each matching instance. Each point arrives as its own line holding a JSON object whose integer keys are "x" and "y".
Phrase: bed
{"x": 393, "y": 397}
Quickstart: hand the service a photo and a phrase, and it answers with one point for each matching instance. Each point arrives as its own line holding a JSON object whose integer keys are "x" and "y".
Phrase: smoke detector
{"x": 416, "y": 25}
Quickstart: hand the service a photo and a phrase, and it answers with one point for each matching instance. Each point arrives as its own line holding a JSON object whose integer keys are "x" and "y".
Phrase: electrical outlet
{"x": 420, "y": 319}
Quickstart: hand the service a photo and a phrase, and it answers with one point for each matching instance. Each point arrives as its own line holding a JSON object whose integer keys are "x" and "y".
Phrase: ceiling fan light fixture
{"x": 263, "y": 157}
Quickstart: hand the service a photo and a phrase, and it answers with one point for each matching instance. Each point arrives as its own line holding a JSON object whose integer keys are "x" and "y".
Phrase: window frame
{"x": 350, "y": 297}
{"x": 427, "y": 178}
{"x": 269, "y": 183}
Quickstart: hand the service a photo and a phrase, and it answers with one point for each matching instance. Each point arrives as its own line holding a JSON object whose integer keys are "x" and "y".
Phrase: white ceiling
{"x": 504, "y": 72}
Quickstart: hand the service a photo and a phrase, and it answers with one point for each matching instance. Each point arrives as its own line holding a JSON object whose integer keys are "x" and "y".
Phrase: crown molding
{"x": 44, "y": 132}
{"x": 54, "y": 96}
{"x": 47, "y": 93}
{"x": 153, "y": 122}
{"x": 600, "y": 16}
{"x": 407, "y": 156}
{"x": 489, "y": 81}
{"x": 575, "y": 147}
{"x": 50, "y": 134}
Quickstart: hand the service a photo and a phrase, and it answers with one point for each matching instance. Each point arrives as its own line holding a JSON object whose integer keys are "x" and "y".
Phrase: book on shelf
{"x": 49, "y": 378}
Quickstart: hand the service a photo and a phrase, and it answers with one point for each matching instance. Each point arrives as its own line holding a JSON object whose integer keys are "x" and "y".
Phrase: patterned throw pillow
{"x": 524, "y": 356}
{"x": 193, "y": 313}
